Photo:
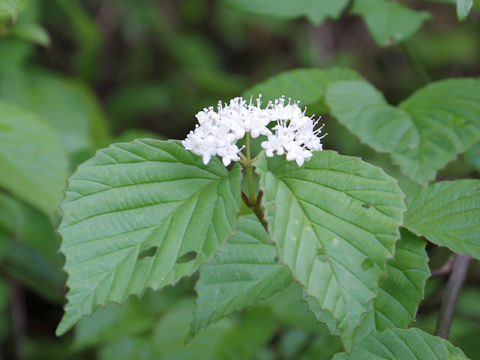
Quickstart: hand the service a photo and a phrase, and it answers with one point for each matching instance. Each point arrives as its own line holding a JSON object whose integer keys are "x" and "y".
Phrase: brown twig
{"x": 452, "y": 292}
{"x": 445, "y": 269}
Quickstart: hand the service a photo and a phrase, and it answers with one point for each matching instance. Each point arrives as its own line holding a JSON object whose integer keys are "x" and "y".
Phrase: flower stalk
{"x": 251, "y": 200}
{"x": 249, "y": 167}
{"x": 293, "y": 134}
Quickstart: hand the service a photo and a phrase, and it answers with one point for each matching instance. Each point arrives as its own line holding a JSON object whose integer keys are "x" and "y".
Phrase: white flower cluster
{"x": 217, "y": 132}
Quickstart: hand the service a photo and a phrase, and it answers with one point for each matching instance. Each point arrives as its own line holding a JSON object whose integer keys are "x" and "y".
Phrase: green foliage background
{"x": 76, "y": 76}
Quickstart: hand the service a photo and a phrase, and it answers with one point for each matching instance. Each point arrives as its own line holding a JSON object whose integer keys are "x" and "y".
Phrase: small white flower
{"x": 217, "y": 132}
{"x": 294, "y": 133}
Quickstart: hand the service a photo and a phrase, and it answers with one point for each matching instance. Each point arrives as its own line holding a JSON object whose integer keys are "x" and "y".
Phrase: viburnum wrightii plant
{"x": 149, "y": 212}
{"x": 283, "y": 241}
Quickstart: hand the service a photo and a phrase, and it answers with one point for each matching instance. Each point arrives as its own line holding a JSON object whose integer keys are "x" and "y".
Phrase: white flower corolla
{"x": 294, "y": 134}
{"x": 217, "y": 132}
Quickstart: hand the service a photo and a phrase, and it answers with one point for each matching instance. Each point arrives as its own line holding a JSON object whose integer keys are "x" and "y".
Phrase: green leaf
{"x": 170, "y": 332}
{"x": 407, "y": 273}
{"x": 71, "y": 107}
{"x": 254, "y": 329}
{"x": 113, "y": 322}
{"x": 29, "y": 251}
{"x": 472, "y": 157}
{"x": 290, "y": 309}
{"x": 32, "y": 32}
{"x": 307, "y": 85}
{"x": 12, "y": 7}
{"x": 135, "y": 317}
{"x": 448, "y": 214}
{"x": 437, "y": 109}
{"x": 39, "y": 272}
{"x": 128, "y": 348}
{"x": 364, "y": 111}
{"x": 230, "y": 338}
{"x": 315, "y": 10}
{"x": 243, "y": 273}
{"x": 411, "y": 344}
{"x": 389, "y": 21}
{"x": 335, "y": 222}
{"x": 463, "y": 8}
{"x": 142, "y": 214}
{"x": 32, "y": 159}
{"x": 67, "y": 105}
{"x": 423, "y": 133}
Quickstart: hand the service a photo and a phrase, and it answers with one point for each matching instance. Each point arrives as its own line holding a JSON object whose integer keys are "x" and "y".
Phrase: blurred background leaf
{"x": 11, "y": 6}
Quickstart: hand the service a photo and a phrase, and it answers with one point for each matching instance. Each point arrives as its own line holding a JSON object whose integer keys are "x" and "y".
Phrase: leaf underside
{"x": 141, "y": 214}
{"x": 335, "y": 222}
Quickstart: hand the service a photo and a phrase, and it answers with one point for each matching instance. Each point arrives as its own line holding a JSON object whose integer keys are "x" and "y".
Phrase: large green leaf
{"x": 463, "y": 8}
{"x": 142, "y": 214}
{"x": 335, "y": 222}
{"x": 407, "y": 273}
{"x": 447, "y": 116}
{"x": 411, "y": 344}
{"x": 389, "y": 21}
{"x": 364, "y": 111}
{"x": 32, "y": 159}
{"x": 424, "y": 133}
{"x": 306, "y": 85}
{"x": 243, "y": 273}
{"x": 10, "y": 6}
{"x": 315, "y": 10}
{"x": 448, "y": 214}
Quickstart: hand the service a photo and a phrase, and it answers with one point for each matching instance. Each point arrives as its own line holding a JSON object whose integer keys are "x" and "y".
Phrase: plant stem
{"x": 445, "y": 269}
{"x": 251, "y": 200}
{"x": 452, "y": 292}
{"x": 249, "y": 166}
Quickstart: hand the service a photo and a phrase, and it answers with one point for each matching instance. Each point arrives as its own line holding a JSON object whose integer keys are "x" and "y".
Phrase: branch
{"x": 445, "y": 269}
{"x": 452, "y": 292}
